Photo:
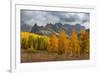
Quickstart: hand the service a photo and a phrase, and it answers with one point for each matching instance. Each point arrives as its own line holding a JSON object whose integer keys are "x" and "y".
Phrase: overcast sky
{"x": 31, "y": 17}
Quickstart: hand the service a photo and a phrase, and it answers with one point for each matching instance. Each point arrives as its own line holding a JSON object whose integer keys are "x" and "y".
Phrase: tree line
{"x": 72, "y": 45}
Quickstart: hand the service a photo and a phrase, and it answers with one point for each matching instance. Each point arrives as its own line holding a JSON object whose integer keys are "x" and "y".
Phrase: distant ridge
{"x": 49, "y": 28}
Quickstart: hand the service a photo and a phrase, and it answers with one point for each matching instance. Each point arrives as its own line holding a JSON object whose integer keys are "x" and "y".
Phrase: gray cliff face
{"x": 50, "y": 28}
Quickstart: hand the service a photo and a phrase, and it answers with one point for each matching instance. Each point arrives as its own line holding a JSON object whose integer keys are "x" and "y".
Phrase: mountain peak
{"x": 57, "y": 27}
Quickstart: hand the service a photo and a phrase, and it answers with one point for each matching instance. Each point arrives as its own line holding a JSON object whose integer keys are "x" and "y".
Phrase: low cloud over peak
{"x": 31, "y": 17}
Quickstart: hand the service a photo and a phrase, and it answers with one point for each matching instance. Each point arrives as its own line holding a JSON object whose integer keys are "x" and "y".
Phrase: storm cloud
{"x": 30, "y": 17}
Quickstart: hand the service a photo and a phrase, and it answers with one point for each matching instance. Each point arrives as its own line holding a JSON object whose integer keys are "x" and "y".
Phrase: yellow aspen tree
{"x": 84, "y": 41}
{"x": 53, "y": 43}
{"x": 63, "y": 43}
{"x": 74, "y": 44}
{"x": 87, "y": 42}
{"x": 24, "y": 40}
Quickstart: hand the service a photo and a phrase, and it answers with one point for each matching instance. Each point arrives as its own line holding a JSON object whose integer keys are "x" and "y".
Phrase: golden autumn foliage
{"x": 84, "y": 41}
{"x": 74, "y": 44}
{"x": 34, "y": 41}
{"x": 63, "y": 43}
{"x": 53, "y": 43}
{"x": 24, "y": 40}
